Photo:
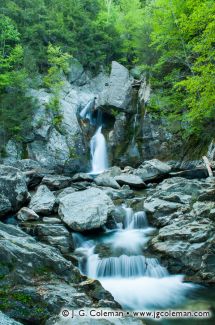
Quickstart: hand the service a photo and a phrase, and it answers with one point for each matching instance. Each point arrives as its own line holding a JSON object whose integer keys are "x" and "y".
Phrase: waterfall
{"x": 135, "y": 280}
{"x": 125, "y": 267}
{"x": 86, "y": 112}
{"x": 98, "y": 151}
{"x": 133, "y": 220}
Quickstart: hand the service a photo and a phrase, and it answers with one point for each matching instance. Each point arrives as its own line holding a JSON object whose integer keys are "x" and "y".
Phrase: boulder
{"x": 82, "y": 177}
{"x": 123, "y": 193}
{"x": 56, "y": 182}
{"x": 13, "y": 189}
{"x": 104, "y": 180}
{"x": 43, "y": 201}
{"x": 118, "y": 92}
{"x": 131, "y": 180}
{"x": 26, "y": 214}
{"x": 85, "y": 210}
{"x": 152, "y": 170}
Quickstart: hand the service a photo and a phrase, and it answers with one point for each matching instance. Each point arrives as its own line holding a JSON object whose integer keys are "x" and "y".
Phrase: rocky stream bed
{"x": 50, "y": 223}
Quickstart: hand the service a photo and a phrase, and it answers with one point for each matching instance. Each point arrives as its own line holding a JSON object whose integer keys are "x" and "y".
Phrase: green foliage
{"x": 178, "y": 52}
{"x": 59, "y": 63}
{"x": 171, "y": 40}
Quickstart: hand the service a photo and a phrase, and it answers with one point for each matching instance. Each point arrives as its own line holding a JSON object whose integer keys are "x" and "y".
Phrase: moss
{"x": 72, "y": 153}
{"x": 22, "y": 305}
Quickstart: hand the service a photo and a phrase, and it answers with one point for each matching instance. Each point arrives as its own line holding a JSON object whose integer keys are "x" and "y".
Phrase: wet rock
{"x": 119, "y": 214}
{"x": 131, "y": 180}
{"x": 13, "y": 189}
{"x": 26, "y": 214}
{"x": 56, "y": 182}
{"x": 85, "y": 210}
{"x": 43, "y": 201}
{"x": 104, "y": 180}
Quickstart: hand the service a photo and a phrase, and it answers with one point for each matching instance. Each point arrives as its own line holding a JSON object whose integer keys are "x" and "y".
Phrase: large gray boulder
{"x": 85, "y": 210}
{"x": 131, "y": 180}
{"x": 105, "y": 180}
{"x": 43, "y": 201}
{"x": 13, "y": 189}
{"x": 152, "y": 170}
{"x": 118, "y": 92}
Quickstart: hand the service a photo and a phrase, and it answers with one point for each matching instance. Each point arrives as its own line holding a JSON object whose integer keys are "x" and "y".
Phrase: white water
{"x": 98, "y": 151}
{"x": 86, "y": 111}
{"x": 136, "y": 281}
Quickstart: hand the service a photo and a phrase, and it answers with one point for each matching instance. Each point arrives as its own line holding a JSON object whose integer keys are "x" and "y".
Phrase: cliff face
{"x": 131, "y": 133}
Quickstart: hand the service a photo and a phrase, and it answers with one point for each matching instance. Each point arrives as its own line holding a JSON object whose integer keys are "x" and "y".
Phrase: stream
{"x": 120, "y": 260}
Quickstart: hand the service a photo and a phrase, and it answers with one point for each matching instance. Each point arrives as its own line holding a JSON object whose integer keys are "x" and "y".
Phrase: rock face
{"x": 184, "y": 211}
{"x": 13, "y": 189}
{"x": 37, "y": 281}
{"x": 61, "y": 142}
{"x": 85, "y": 210}
{"x": 43, "y": 201}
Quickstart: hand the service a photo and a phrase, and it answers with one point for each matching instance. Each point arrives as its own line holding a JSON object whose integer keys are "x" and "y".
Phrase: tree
{"x": 181, "y": 44}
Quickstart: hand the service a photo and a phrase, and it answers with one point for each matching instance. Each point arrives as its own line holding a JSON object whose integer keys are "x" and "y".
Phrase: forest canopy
{"x": 171, "y": 41}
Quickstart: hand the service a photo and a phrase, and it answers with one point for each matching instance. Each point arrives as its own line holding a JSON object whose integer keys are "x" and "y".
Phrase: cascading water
{"x": 98, "y": 148}
{"x": 86, "y": 112}
{"x": 98, "y": 151}
{"x": 136, "y": 281}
